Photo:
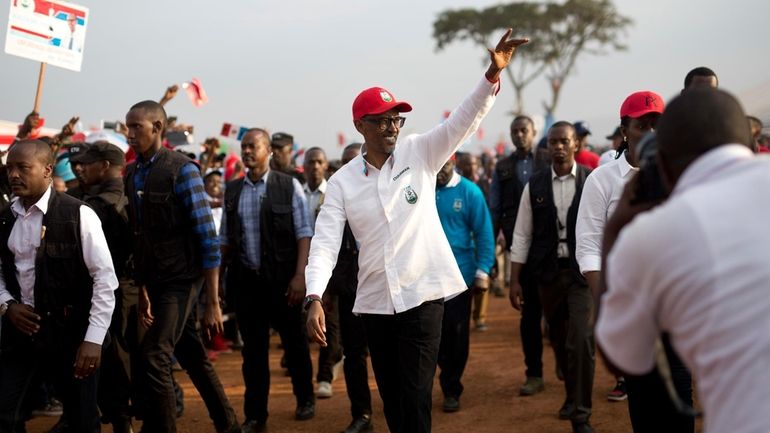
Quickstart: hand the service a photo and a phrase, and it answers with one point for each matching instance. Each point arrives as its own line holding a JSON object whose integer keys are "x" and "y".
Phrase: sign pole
{"x": 39, "y": 93}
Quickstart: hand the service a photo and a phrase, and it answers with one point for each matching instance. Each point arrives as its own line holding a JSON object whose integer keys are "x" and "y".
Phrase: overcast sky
{"x": 297, "y": 65}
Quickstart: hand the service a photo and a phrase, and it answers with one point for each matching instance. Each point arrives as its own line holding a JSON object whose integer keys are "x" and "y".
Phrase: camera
{"x": 650, "y": 187}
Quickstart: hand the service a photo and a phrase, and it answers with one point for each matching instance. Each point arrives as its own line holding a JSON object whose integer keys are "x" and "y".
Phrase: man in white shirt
{"x": 695, "y": 266}
{"x": 638, "y": 115}
{"x": 544, "y": 240}
{"x": 56, "y": 292}
{"x": 406, "y": 267}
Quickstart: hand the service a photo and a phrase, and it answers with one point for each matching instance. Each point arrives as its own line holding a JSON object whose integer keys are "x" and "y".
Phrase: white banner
{"x": 53, "y": 32}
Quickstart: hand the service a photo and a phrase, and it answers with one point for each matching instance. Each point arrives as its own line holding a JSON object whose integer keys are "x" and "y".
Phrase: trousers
{"x": 404, "y": 348}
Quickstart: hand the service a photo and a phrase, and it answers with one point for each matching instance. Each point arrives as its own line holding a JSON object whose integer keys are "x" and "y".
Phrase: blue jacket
{"x": 467, "y": 224}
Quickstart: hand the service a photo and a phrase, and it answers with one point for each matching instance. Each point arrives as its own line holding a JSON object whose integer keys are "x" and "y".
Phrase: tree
{"x": 577, "y": 27}
{"x": 482, "y": 26}
{"x": 559, "y": 34}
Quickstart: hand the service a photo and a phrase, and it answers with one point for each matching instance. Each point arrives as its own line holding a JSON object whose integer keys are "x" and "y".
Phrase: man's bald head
{"x": 696, "y": 122}
{"x": 37, "y": 149}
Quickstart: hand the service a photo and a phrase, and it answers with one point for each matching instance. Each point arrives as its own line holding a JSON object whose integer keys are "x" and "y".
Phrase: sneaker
{"x": 53, "y": 408}
{"x": 619, "y": 392}
{"x": 532, "y": 386}
{"x": 324, "y": 390}
{"x": 305, "y": 411}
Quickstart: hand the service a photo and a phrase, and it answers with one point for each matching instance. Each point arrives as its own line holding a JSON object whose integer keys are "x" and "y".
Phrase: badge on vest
{"x": 410, "y": 195}
{"x": 458, "y": 205}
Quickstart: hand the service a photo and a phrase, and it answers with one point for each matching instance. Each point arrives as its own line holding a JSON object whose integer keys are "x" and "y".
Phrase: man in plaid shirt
{"x": 176, "y": 248}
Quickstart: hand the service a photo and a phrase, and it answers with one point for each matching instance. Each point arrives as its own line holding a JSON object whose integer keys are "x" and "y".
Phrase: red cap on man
{"x": 376, "y": 100}
{"x": 640, "y": 103}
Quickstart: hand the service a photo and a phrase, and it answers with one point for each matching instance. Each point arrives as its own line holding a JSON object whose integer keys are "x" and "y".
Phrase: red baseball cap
{"x": 640, "y": 103}
{"x": 376, "y": 100}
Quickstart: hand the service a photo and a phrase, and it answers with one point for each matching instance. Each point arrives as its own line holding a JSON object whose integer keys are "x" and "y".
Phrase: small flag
{"x": 195, "y": 92}
{"x": 341, "y": 139}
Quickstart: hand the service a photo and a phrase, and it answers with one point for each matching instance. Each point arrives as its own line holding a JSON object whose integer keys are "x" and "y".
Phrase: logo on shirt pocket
{"x": 410, "y": 195}
{"x": 458, "y": 205}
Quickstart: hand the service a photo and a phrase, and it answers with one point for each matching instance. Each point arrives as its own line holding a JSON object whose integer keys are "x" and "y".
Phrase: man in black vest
{"x": 175, "y": 242}
{"x": 544, "y": 240}
{"x": 101, "y": 175}
{"x": 56, "y": 293}
{"x": 265, "y": 236}
{"x": 508, "y": 180}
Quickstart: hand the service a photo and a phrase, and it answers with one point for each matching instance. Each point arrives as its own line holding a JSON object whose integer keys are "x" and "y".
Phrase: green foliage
{"x": 559, "y": 33}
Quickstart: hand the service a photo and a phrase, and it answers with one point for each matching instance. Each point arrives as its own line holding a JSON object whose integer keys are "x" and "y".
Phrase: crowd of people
{"x": 117, "y": 266}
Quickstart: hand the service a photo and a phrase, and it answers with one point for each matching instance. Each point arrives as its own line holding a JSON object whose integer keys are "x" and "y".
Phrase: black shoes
{"x": 582, "y": 428}
{"x": 566, "y": 410}
{"x": 362, "y": 424}
{"x": 254, "y": 427}
{"x": 305, "y": 411}
{"x": 451, "y": 404}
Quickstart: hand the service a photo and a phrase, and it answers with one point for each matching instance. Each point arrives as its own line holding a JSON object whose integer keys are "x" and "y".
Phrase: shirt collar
{"x": 366, "y": 164}
{"x": 710, "y": 164}
{"x": 321, "y": 188}
{"x": 42, "y": 205}
{"x": 142, "y": 163}
{"x": 454, "y": 180}
{"x": 624, "y": 166}
{"x": 248, "y": 180}
{"x": 572, "y": 172}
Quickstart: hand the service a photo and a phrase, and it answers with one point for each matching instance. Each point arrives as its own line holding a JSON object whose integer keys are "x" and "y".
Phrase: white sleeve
{"x": 522, "y": 232}
{"x": 589, "y": 231}
{"x": 627, "y": 326}
{"x": 98, "y": 260}
{"x": 437, "y": 145}
{"x": 5, "y": 295}
{"x": 325, "y": 244}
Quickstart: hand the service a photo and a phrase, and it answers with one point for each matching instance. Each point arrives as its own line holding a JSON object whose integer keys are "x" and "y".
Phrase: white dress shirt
{"x": 563, "y": 194}
{"x": 601, "y": 193}
{"x": 696, "y": 267}
{"x": 405, "y": 258}
{"x": 314, "y": 200}
{"x": 24, "y": 241}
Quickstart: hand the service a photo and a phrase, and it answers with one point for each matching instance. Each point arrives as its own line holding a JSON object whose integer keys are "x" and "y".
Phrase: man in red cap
{"x": 406, "y": 267}
{"x": 638, "y": 115}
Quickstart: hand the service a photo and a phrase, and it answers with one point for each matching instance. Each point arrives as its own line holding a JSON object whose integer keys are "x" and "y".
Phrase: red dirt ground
{"x": 490, "y": 402}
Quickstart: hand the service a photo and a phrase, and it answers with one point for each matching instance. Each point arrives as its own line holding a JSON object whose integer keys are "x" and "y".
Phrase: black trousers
{"x": 567, "y": 304}
{"x": 115, "y": 384}
{"x": 356, "y": 350}
{"x": 332, "y": 353}
{"x": 649, "y": 404}
{"x": 455, "y": 340}
{"x": 530, "y": 329}
{"x": 404, "y": 350}
{"x": 24, "y": 365}
{"x": 260, "y": 304}
{"x": 174, "y": 331}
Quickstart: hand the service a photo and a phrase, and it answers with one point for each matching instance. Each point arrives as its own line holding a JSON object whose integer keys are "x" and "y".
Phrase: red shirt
{"x": 587, "y": 158}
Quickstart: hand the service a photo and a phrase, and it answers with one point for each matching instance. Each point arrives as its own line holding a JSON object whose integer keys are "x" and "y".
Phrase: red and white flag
{"x": 195, "y": 92}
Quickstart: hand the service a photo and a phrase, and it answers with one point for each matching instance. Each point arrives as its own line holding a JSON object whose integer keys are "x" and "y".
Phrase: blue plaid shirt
{"x": 189, "y": 188}
{"x": 249, "y": 205}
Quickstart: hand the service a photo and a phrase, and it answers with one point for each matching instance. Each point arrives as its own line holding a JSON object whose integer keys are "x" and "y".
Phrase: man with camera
{"x": 544, "y": 240}
{"x": 702, "y": 277}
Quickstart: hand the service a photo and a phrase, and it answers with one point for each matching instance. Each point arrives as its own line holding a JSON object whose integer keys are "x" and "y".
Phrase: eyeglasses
{"x": 384, "y": 123}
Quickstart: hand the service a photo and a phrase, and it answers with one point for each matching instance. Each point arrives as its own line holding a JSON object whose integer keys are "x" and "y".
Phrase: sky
{"x": 296, "y": 66}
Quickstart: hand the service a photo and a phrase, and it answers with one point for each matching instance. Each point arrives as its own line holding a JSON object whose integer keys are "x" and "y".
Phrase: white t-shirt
{"x": 696, "y": 267}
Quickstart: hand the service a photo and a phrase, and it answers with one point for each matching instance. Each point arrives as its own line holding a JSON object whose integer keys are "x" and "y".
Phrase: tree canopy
{"x": 559, "y": 34}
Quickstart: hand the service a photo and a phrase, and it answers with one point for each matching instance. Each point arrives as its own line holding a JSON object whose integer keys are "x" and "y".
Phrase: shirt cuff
{"x": 590, "y": 263}
{"x": 95, "y": 334}
{"x": 495, "y": 83}
{"x": 481, "y": 274}
{"x": 6, "y": 297}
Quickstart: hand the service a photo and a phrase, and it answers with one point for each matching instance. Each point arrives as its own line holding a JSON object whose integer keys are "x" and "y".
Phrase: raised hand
{"x": 68, "y": 130}
{"x": 501, "y": 55}
{"x": 169, "y": 94}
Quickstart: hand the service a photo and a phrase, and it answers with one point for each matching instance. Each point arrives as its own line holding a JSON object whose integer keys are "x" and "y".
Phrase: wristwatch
{"x": 309, "y": 299}
{"x": 4, "y": 307}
